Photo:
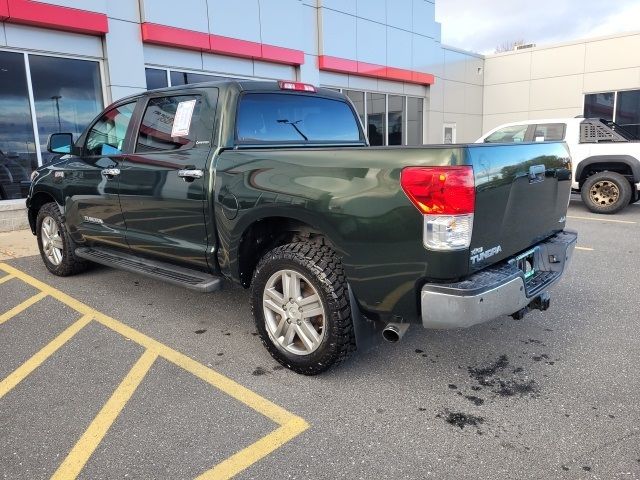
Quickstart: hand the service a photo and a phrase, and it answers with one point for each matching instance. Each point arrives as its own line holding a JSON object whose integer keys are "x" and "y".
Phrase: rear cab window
{"x": 277, "y": 118}
{"x": 549, "y": 132}
{"x": 510, "y": 134}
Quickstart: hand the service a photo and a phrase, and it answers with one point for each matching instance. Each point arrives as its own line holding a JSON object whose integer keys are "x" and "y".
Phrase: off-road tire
{"x": 70, "y": 264}
{"x": 621, "y": 183}
{"x": 323, "y": 268}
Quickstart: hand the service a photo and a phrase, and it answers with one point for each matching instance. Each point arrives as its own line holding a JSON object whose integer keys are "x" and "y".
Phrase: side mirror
{"x": 60, "y": 143}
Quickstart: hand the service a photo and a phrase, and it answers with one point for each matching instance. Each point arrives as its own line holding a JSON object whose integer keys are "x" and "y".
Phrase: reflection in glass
{"x": 628, "y": 111}
{"x": 157, "y": 129}
{"x": 357, "y": 98}
{"x": 67, "y": 94}
{"x": 396, "y": 120}
{"x": 185, "y": 78}
{"x": 156, "y": 78}
{"x": 599, "y": 105}
{"x": 17, "y": 147}
{"x": 415, "y": 121}
{"x": 108, "y": 134}
{"x": 376, "y": 118}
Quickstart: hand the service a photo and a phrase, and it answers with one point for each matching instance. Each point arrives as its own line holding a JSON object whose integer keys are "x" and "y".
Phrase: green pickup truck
{"x": 272, "y": 185}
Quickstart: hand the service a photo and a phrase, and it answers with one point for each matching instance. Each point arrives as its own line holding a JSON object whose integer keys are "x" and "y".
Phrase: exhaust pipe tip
{"x": 394, "y": 332}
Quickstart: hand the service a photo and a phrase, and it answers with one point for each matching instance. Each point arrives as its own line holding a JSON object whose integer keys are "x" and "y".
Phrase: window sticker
{"x": 182, "y": 121}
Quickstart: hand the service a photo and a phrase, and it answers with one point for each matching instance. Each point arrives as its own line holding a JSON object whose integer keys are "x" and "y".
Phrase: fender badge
{"x": 58, "y": 174}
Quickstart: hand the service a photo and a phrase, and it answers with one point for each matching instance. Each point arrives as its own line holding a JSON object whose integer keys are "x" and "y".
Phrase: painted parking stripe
{"x": 586, "y": 249}
{"x": 23, "y": 306}
{"x": 289, "y": 425}
{"x": 6, "y": 278}
{"x": 93, "y": 435}
{"x": 599, "y": 219}
{"x": 39, "y": 358}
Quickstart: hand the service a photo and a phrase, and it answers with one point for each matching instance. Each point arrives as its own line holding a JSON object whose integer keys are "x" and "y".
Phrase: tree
{"x": 509, "y": 46}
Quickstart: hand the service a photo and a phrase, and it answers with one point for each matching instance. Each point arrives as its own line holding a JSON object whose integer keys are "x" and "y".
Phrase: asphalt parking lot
{"x": 112, "y": 375}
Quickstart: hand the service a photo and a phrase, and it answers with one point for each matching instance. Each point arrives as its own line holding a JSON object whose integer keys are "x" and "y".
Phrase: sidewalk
{"x": 18, "y": 243}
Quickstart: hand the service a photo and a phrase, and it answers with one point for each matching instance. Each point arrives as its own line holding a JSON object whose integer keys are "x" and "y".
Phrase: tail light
{"x": 446, "y": 197}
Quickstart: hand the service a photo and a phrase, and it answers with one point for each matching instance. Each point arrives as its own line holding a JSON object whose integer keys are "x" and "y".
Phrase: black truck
{"x": 272, "y": 185}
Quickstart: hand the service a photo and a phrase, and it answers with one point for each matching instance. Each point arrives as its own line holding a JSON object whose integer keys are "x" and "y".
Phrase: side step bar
{"x": 184, "y": 277}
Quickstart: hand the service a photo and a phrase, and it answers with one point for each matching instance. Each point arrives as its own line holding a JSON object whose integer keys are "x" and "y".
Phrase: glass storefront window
{"x": 599, "y": 105}
{"x": 396, "y": 120}
{"x": 415, "y": 117}
{"x": 185, "y": 78}
{"x": 376, "y": 118}
{"x": 156, "y": 78}
{"x": 67, "y": 95}
{"x": 628, "y": 111}
{"x": 18, "y": 156}
{"x": 357, "y": 98}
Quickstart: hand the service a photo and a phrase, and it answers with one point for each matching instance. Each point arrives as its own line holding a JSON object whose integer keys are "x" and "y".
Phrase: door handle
{"x": 537, "y": 173}
{"x": 110, "y": 172}
{"x": 189, "y": 174}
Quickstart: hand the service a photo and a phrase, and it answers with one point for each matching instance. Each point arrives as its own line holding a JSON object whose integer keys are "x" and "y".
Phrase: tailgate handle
{"x": 536, "y": 173}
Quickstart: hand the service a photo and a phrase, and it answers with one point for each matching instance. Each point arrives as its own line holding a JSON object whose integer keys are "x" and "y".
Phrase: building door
{"x": 449, "y": 133}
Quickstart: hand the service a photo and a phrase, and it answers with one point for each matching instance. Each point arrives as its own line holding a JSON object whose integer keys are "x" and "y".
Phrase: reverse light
{"x": 297, "y": 86}
{"x": 446, "y": 198}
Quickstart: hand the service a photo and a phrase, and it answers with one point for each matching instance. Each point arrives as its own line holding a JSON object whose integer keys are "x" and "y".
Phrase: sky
{"x": 481, "y": 25}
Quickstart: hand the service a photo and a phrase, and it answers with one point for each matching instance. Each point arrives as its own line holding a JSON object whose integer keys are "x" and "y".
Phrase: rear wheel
{"x": 606, "y": 192}
{"x": 57, "y": 248}
{"x": 301, "y": 307}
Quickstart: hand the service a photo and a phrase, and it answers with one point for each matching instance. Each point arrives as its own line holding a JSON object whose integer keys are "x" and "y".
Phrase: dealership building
{"x": 62, "y": 61}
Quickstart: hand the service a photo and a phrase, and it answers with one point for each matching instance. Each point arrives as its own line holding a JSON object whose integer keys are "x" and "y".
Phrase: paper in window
{"x": 182, "y": 121}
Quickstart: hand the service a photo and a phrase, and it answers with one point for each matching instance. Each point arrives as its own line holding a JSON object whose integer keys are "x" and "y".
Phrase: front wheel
{"x": 300, "y": 303}
{"x": 606, "y": 192}
{"x": 57, "y": 248}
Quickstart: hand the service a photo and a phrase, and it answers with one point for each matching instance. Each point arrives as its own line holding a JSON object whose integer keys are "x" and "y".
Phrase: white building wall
{"x": 551, "y": 81}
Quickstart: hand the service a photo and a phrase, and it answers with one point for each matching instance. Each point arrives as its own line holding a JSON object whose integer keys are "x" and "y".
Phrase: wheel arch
{"x": 624, "y": 164}
{"x": 36, "y": 202}
{"x": 266, "y": 233}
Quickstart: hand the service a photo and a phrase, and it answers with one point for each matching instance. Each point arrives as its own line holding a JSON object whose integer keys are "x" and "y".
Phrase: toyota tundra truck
{"x": 273, "y": 186}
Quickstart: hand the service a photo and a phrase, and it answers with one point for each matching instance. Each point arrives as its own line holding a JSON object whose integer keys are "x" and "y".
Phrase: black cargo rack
{"x": 595, "y": 130}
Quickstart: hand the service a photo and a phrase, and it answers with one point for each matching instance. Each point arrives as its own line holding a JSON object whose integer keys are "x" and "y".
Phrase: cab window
{"x": 284, "y": 118}
{"x": 108, "y": 134}
{"x": 511, "y": 134}
{"x": 549, "y": 132}
{"x": 169, "y": 123}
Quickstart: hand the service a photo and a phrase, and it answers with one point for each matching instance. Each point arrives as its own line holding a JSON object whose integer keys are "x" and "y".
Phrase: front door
{"x": 92, "y": 205}
{"x": 162, "y": 184}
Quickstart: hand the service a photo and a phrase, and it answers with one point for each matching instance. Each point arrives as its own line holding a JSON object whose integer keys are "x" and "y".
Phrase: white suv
{"x": 605, "y": 157}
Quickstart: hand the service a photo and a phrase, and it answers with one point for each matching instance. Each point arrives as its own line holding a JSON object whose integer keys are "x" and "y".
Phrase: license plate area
{"x": 526, "y": 263}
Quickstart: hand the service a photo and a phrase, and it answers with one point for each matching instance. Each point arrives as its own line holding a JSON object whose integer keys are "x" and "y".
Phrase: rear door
{"x": 163, "y": 184}
{"x": 92, "y": 178}
{"x": 522, "y": 193}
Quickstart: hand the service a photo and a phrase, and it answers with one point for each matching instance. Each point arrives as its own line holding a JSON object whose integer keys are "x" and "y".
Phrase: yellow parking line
{"x": 23, "y": 306}
{"x": 585, "y": 248}
{"x": 244, "y": 458}
{"x": 92, "y": 437}
{"x": 290, "y": 425}
{"x": 34, "y": 362}
{"x": 600, "y": 219}
{"x": 6, "y": 278}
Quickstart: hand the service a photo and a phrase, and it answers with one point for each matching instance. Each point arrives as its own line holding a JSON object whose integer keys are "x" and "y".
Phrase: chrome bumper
{"x": 499, "y": 290}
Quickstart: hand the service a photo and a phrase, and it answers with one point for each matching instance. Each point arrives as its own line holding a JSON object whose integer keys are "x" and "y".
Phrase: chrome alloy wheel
{"x": 604, "y": 192}
{"x": 293, "y": 312}
{"x": 51, "y": 240}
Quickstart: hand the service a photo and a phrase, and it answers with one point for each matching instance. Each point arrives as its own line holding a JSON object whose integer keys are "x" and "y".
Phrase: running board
{"x": 184, "y": 277}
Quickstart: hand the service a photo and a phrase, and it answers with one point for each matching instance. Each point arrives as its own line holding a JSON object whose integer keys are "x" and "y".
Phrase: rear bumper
{"x": 499, "y": 290}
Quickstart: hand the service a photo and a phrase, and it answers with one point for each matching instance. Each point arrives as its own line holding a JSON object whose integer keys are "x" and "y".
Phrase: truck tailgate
{"x": 522, "y": 194}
